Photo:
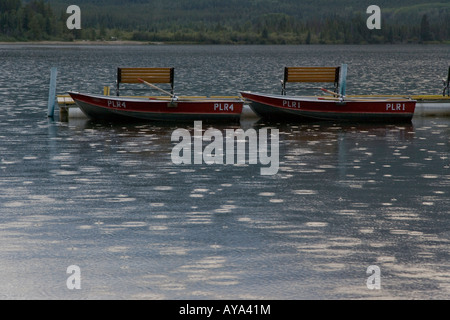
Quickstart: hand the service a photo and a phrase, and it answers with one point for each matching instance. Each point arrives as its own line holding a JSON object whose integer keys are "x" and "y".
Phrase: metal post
{"x": 52, "y": 93}
{"x": 447, "y": 86}
{"x": 343, "y": 80}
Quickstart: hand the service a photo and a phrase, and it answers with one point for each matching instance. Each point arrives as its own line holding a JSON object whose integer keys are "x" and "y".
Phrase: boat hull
{"x": 113, "y": 108}
{"x": 426, "y": 106}
{"x": 323, "y": 108}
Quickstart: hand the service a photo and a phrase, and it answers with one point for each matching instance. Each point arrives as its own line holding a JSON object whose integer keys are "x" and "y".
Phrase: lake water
{"x": 108, "y": 198}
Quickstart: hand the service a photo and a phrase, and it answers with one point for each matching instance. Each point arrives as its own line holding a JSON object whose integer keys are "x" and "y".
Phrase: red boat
{"x": 330, "y": 108}
{"x": 159, "y": 109}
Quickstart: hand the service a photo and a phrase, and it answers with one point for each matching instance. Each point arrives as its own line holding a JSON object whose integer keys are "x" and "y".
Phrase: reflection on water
{"x": 108, "y": 198}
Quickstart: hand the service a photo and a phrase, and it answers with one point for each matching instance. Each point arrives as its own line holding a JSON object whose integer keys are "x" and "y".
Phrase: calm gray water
{"x": 107, "y": 197}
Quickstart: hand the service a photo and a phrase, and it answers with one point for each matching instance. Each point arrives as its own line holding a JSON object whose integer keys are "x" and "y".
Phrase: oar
{"x": 330, "y": 92}
{"x": 158, "y": 88}
{"x": 329, "y": 98}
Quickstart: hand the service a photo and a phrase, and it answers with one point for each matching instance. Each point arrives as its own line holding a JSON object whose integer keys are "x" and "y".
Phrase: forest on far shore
{"x": 219, "y": 22}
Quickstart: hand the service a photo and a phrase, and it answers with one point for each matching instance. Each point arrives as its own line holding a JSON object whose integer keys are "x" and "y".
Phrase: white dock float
{"x": 436, "y": 107}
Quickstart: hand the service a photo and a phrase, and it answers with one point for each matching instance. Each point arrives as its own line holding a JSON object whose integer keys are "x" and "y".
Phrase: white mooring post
{"x": 52, "y": 93}
{"x": 447, "y": 84}
{"x": 343, "y": 80}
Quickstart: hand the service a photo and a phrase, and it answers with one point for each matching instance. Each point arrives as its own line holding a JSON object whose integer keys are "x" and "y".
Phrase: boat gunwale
{"x": 329, "y": 99}
{"x": 146, "y": 99}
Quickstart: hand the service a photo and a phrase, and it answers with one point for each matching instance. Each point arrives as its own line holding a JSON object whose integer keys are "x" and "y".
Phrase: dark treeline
{"x": 281, "y": 29}
{"x": 194, "y": 23}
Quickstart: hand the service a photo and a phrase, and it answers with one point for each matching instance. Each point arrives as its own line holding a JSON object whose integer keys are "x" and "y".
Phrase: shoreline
{"x": 143, "y": 43}
{"x": 81, "y": 42}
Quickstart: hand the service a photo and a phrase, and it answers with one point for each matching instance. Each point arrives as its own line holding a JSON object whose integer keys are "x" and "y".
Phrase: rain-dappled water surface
{"x": 107, "y": 197}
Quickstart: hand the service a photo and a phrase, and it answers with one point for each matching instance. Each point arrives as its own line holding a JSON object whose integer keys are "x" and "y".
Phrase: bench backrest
{"x": 151, "y": 75}
{"x": 310, "y": 74}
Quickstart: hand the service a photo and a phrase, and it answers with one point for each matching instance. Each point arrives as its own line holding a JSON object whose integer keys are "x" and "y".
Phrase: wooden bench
{"x": 151, "y": 75}
{"x": 311, "y": 74}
